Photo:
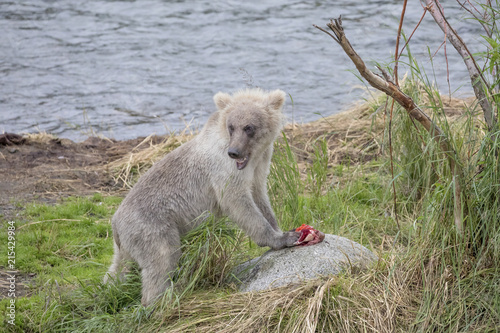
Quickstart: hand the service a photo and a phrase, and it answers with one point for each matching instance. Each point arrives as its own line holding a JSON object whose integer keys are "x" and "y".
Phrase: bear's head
{"x": 251, "y": 120}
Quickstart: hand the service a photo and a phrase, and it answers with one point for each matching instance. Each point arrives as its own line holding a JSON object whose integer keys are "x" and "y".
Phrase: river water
{"x": 131, "y": 68}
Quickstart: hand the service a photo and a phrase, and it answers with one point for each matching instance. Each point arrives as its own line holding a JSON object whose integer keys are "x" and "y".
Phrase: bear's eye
{"x": 231, "y": 129}
{"x": 249, "y": 130}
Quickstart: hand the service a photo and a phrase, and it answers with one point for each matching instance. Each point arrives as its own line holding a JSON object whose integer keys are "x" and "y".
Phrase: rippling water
{"x": 131, "y": 68}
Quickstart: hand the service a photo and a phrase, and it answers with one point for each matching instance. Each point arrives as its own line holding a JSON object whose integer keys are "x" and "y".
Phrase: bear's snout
{"x": 234, "y": 153}
{"x": 241, "y": 158}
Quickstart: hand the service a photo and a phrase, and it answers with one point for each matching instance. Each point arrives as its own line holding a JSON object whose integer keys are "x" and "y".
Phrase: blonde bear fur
{"x": 222, "y": 170}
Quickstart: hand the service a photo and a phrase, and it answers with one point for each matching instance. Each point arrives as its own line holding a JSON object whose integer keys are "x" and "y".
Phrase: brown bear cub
{"x": 222, "y": 170}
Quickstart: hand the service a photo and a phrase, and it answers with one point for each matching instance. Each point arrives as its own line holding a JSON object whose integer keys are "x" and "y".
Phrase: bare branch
{"x": 386, "y": 75}
{"x": 326, "y": 32}
{"x": 387, "y": 86}
{"x": 415, "y": 29}
{"x": 479, "y": 84}
{"x": 396, "y": 53}
{"x": 481, "y": 19}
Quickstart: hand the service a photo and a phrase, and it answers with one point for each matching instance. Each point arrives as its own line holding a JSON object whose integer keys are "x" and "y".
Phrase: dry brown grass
{"x": 391, "y": 296}
{"x": 352, "y": 135}
{"x": 140, "y": 158}
{"x": 40, "y": 137}
{"x": 357, "y": 134}
{"x": 247, "y": 312}
{"x": 382, "y": 299}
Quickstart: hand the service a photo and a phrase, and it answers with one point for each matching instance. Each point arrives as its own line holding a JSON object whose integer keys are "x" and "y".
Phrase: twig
{"x": 416, "y": 27}
{"x": 396, "y": 56}
{"x": 408, "y": 104}
{"x": 439, "y": 48}
{"x": 447, "y": 64}
{"x": 480, "y": 20}
{"x": 392, "y": 169}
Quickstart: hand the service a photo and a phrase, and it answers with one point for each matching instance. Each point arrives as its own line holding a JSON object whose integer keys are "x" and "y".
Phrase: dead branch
{"x": 411, "y": 35}
{"x": 387, "y": 85}
{"x": 479, "y": 83}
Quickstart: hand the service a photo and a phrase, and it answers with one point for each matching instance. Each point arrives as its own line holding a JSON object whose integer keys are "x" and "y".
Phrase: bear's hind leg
{"x": 119, "y": 265}
{"x": 157, "y": 270}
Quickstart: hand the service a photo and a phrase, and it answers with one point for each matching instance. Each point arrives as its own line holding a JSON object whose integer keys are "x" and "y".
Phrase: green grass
{"x": 62, "y": 246}
{"x": 345, "y": 200}
{"x": 76, "y": 231}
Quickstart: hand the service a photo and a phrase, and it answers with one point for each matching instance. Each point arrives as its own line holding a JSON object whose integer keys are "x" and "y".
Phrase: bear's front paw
{"x": 291, "y": 238}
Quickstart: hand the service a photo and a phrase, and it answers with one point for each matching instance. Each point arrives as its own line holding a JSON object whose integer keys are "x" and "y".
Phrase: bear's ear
{"x": 276, "y": 99}
{"x": 222, "y": 100}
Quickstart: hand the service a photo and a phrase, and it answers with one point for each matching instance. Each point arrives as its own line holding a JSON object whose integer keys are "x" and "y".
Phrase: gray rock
{"x": 291, "y": 265}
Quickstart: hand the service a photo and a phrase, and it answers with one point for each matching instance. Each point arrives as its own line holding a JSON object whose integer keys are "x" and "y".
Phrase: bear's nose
{"x": 233, "y": 153}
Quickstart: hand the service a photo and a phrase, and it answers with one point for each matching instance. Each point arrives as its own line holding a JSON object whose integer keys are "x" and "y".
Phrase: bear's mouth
{"x": 242, "y": 162}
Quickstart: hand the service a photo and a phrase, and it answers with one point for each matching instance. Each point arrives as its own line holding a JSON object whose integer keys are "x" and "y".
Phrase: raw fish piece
{"x": 309, "y": 236}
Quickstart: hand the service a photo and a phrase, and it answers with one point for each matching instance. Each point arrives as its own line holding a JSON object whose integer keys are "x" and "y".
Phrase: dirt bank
{"x": 44, "y": 168}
